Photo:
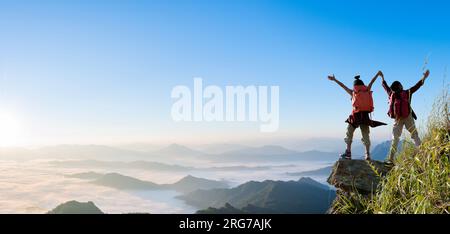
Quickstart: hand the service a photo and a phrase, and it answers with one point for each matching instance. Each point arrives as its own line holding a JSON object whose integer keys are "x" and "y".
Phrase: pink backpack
{"x": 399, "y": 106}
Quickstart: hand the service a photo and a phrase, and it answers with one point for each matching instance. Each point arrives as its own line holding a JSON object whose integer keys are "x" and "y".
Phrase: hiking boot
{"x": 347, "y": 155}
{"x": 367, "y": 157}
{"x": 389, "y": 163}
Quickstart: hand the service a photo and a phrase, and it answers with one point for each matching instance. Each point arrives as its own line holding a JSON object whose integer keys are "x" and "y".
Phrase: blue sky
{"x": 102, "y": 71}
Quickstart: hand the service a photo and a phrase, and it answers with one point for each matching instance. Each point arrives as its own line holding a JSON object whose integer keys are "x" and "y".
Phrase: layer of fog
{"x": 31, "y": 182}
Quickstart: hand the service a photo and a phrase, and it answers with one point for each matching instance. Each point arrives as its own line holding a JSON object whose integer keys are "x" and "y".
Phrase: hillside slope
{"x": 419, "y": 183}
{"x": 302, "y": 196}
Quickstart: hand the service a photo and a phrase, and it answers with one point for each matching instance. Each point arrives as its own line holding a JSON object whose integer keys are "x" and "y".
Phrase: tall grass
{"x": 419, "y": 183}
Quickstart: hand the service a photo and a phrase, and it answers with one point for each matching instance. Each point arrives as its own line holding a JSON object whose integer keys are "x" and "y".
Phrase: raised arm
{"x": 385, "y": 85}
{"x": 373, "y": 80}
{"x": 349, "y": 91}
{"x": 420, "y": 83}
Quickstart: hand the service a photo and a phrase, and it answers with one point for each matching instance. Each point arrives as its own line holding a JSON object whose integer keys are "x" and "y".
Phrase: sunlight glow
{"x": 11, "y": 131}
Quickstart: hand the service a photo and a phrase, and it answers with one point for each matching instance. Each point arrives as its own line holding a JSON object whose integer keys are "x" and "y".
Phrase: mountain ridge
{"x": 302, "y": 196}
{"x": 186, "y": 184}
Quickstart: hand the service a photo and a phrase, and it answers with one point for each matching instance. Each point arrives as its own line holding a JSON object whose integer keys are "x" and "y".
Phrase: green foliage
{"x": 419, "y": 183}
{"x": 349, "y": 203}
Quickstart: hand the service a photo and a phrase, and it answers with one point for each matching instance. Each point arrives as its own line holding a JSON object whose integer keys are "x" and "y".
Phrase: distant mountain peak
{"x": 310, "y": 181}
{"x": 190, "y": 183}
{"x": 115, "y": 174}
{"x": 307, "y": 179}
{"x": 179, "y": 150}
{"x": 120, "y": 181}
{"x": 189, "y": 177}
{"x": 86, "y": 175}
{"x": 75, "y": 207}
{"x": 175, "y": 145}
{"x": 273, "y": 147}
{"x": 264, "y": 150}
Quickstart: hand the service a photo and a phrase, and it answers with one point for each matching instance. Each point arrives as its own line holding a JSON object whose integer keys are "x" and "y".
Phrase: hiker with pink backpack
{"x": 362, "y": 106}
{"x": 400, "y": 110}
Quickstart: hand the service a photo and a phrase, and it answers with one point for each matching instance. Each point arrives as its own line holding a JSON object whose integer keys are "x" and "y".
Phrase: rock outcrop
{"x": 360, "y": 175}
{"x": 352, "y": 177}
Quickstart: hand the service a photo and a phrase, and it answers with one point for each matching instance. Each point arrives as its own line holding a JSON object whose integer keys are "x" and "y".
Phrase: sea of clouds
{"x": 38, "y": 186}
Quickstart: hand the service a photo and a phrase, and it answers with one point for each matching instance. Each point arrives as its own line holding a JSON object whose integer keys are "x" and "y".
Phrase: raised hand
{"x": 332, "y": 78}
{"x": 426, "y": 74}
{"x": 380, "y": 73}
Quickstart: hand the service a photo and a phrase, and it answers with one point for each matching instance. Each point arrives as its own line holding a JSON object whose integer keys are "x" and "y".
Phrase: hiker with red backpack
{"x": 400, "y": 110}
{"x": 362, "y": 103}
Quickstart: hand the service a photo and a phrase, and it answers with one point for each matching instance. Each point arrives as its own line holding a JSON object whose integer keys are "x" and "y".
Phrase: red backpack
{"x": 399, "y": 105}
{"x": 362, "y": 99}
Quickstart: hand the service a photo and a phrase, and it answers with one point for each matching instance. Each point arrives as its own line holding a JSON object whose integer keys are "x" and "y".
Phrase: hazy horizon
{"x": 300, "y": 145}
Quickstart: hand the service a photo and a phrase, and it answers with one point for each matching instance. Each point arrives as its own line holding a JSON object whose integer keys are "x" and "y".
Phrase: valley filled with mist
{"x": 166, "y": 179}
